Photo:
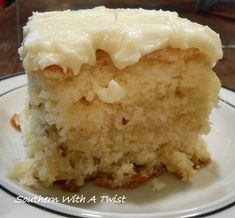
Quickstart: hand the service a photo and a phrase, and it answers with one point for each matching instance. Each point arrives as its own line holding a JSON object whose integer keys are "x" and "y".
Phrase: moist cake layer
{"x": 71, "y": 134}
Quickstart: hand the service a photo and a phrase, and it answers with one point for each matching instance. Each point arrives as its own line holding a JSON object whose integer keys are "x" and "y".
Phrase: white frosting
{"x": 113, "y": 93}
{"x": 71, "y": 38}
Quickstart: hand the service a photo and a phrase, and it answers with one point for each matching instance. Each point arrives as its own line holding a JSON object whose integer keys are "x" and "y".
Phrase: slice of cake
{"x": 116, "y": 96}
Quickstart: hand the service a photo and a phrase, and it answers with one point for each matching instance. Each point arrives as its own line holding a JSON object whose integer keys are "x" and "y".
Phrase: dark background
{"x": 220, "y": 16}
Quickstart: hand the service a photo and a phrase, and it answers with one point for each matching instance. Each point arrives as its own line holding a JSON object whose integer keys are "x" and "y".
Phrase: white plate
{"x": 210, "y": 191}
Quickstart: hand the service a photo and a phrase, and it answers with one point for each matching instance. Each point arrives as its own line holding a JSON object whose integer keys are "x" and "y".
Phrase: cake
{"x": 116, "y": 96}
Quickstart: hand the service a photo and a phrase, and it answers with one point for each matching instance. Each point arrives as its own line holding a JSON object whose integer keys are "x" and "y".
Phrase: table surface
{"x": 11, "y": 33}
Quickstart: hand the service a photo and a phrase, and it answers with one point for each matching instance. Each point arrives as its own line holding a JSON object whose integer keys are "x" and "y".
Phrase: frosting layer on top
{"x": 71, "y": 38}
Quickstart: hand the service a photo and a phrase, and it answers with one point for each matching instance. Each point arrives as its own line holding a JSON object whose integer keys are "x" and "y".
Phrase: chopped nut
{"x": 62, "y": 150}
{"x": 15, "y": 121}
{"x": 124, "y": 121}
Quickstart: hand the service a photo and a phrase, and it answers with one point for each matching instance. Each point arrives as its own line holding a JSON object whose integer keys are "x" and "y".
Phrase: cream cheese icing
{"x": 113, "y": 93}
{"x": 71, "y": 38}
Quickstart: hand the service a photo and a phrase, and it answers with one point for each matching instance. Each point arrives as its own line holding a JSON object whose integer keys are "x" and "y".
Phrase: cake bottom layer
{"x": 48, "y": 169}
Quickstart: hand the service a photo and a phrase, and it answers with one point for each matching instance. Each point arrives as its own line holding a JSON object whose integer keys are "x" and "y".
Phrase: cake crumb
{"x": 158, "y": 185}
{"x": 15, "y": 121}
